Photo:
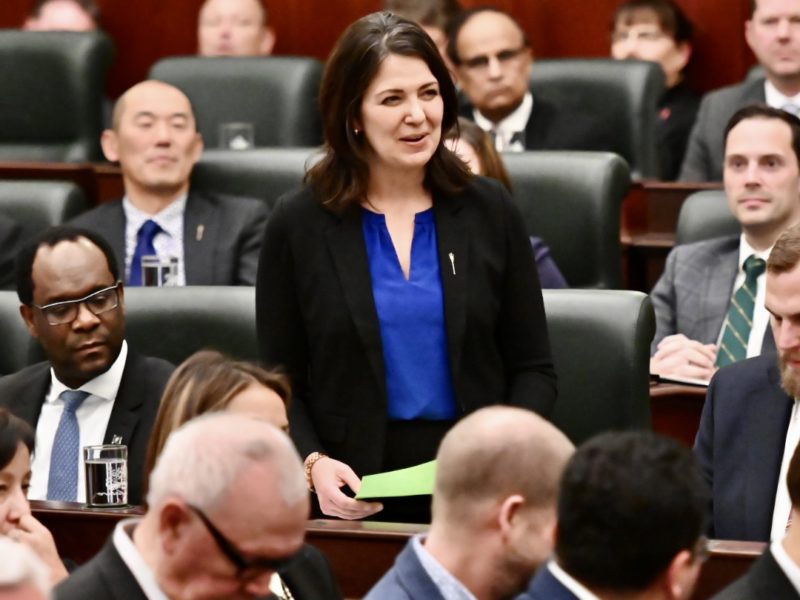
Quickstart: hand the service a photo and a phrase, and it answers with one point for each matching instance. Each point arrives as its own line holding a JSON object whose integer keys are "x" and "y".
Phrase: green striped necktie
{"x": 739, "y": 321}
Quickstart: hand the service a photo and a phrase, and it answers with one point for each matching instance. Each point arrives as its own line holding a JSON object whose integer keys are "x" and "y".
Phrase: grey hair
{"x": 202, "y": 459}
{"x": 19, "y": 566}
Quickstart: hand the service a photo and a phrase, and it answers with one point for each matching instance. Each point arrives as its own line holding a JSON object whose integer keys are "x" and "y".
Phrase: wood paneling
{"x": 147, "y": 30}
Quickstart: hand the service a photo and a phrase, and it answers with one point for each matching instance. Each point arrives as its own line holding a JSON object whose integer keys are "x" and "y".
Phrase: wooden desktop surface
{"x": 359, "y": 552}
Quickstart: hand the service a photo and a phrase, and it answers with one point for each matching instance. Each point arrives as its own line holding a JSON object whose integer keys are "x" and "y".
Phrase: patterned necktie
{"x": 144, "y": 247}
{"x": 739, "y": 321}
{"x": 62, "y": 483}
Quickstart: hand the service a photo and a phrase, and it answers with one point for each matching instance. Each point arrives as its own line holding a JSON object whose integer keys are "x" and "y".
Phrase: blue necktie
{"x": 62, "y": 483}
{"x": 144, "y": 247}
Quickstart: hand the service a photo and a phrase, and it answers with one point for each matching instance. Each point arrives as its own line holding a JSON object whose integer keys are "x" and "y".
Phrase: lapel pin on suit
{"x": 452, "y": 261}
{"x": 200, "y": 230}
{"x": 116, "y": 439}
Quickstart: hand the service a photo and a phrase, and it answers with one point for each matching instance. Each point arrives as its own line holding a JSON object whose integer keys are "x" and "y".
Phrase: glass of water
{"x": 159, "y": 272}
{"x": 237, "y": 136}
{"x": 106, "y": 475}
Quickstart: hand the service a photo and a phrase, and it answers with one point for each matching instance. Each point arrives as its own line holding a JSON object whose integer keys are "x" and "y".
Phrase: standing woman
{"x": 398, "y": 291}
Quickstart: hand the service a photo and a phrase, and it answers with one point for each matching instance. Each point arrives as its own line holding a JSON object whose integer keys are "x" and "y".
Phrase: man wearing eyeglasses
{"x": 92, "y": 389}
{"x": 493, "y": 60}
{"x": 227, "y": 510}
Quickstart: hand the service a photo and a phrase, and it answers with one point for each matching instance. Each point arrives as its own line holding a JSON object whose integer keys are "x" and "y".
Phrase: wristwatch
{"x": 309, "y": 463}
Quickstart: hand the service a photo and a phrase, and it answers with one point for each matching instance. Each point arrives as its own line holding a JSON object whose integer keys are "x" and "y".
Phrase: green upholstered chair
{"x": 51, "y": 106}
{"x": 277, "y": 95}
{"x": 705, "y": 215}
{"x": 572, "y": 200}
{"x": 37, "y": 205}
{"x": 600, "y": 341}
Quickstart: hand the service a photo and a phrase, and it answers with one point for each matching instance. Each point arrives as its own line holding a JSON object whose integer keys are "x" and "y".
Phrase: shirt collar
{"x": 569, "y": 582}
{"x": 169, "y": 218}
{"x": 133, "y": 560}
{"x": 513, "y": 123}
{"x": 787, "y": 565}
{"x": 746, "y": 251}
{"x": 777, "y": 100}
{"x": 450, "y": 587}
{"x": 104, "y": 386}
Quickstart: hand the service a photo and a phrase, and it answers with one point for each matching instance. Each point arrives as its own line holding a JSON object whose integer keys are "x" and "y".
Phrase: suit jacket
{"x": 765, "y": 579}
{"x": 406, "y": 580}
{"x": 551, "y": 127}
{"x": 693, "y": 294}
{"x": 545, "y": 586}
{"x": 316, "y": 316}
{"x": 740, "y": 446}
{"x": 106, "y": 577}
{"x": 706, "y": 150}
{"x": 132, "y": 416}
{"x": 229, "y": 229}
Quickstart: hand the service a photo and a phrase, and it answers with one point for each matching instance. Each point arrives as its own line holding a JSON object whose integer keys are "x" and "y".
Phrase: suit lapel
{"x": 719, "y": 278}
{"x": 29, "y": 405}
{"x": 768, "y": 419}
{"x": 125, "y": 412}
{"x": 413, "y": 577}
{"x": 200, "y": 231}
{"x": 452, "y": 241}
{"x": 114, "y": 224}
{"x": 346, "y": 244}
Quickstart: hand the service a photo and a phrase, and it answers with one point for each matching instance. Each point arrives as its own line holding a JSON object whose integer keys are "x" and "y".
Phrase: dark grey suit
{"x": 221, "y": 236}
{"x": 693, "y": 294}
{"x": 132, "y": 416}
{"x": 765, "y": 579}
{"x": 406, "y": 580}
{"x": 706, "y": 150}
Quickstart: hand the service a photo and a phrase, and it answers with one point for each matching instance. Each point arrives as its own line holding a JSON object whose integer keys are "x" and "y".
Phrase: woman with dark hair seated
{"x": 474, "y": 146}
{"x": 16, "y": 521}
{"x": 206, "y": 382}
{"x": 397, "y": 289}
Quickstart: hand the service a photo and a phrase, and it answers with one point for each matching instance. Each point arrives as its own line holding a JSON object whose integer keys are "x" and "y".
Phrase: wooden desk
{"x": 359, "y": 552}
{"x": 99, "y": 182}
{"x": 676, "y": 410}
{"x": 647, "y": 229}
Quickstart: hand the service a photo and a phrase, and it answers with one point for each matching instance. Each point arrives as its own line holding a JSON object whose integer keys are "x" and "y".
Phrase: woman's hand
{"x": 36, "y": 536}
{"x": 328, "y": 476}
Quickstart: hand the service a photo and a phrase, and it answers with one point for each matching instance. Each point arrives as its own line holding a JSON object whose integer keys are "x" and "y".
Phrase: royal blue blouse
{"x": 412, "y": 322}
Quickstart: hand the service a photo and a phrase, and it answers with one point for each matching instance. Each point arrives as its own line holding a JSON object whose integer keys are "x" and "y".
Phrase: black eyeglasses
{"x": 66, "y": 311}
{"x": 479, "y": 63}
{"x": 247, "y": 568}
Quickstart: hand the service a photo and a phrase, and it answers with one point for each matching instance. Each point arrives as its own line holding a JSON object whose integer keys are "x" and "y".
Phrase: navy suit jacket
{"x": 132, "y": 417}
{"x": 740, "y": 447}
{"x": 406, "y": 580}
{"x": 544, "y": 586}
{"x": 765, "y": 579}
{"x": 221, "y": 236}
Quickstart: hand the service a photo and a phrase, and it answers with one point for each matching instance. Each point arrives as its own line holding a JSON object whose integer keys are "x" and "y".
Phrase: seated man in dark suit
{"x": 93, "y": 389}
{"x": 494, "y": 503}
{"x": 227, "y": 509}
{"x": 750, "y": 426}
{"x": 776, "y": 574}
{"x": 774, "y": 38}
{"x": 215, "y": 239}
{"x": 709, "y": 301}
{"x": 631, "y": 513}
{"x": 492, "y": 58}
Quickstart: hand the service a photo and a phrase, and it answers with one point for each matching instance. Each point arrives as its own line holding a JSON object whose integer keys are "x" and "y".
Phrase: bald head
{"x": 152, "y": 92}
{"x": 494, "y": 453}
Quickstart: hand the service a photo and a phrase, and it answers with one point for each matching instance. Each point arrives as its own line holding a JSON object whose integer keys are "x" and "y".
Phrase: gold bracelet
{"x": 310, "y": 461}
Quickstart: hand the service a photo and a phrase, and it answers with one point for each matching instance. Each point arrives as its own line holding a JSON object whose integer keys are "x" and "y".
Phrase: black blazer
{"x": 107, "y": 577}
{"x": 132, "y": 416}
{"x": 316, "y": 317}
{"x": 221, "y": 236}
{"x": 765, "y": 579}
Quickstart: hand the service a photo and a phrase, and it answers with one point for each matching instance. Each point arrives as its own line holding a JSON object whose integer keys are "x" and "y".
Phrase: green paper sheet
{"x": 413, "y": 481}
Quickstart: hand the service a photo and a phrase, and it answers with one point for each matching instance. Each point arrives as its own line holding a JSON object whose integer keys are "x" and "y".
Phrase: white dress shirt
{"x": 775, "y": 99}
{"x": 123, "y": 542}
{"x": 787, "y": 565}
{"x": 93, "y": 416}
{"x": 516, "y": 122}
{"x": 569, "y": 582}
{"x": 783, "y": 504}
{"x": 168, "y": 242}
{"x": 760, "y": 314}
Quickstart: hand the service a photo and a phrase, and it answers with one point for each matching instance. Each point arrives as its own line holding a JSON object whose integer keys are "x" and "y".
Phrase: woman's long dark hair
{"x": 341, "y": 178}
{"x": 13, "y": 432}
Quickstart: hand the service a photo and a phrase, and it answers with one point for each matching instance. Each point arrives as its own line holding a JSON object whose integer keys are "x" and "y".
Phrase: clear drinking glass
{"x": 237, "y": 136}
{"x": 159, "y": 272}
{"x": 106, "y": 475}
